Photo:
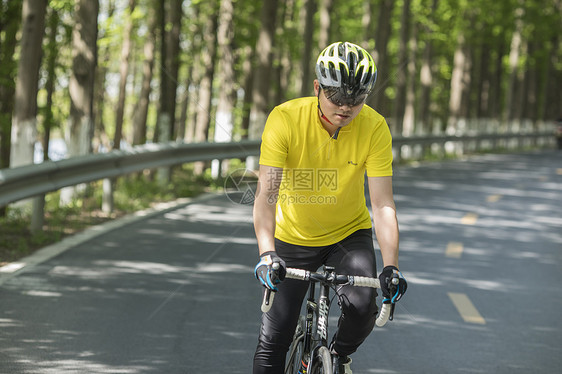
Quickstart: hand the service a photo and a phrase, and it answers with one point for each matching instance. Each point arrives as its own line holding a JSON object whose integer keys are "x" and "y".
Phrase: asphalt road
{"x": 173, "y": 292}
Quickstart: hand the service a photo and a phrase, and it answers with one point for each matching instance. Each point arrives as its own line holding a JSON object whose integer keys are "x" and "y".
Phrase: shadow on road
{"x": 174, "y": 293}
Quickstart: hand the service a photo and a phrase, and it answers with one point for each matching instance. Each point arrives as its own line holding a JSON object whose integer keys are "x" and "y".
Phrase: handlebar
{"x": 351, "y": 280}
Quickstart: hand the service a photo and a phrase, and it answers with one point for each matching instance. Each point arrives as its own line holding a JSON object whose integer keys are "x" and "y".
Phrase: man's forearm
{"x": 386, "y": 229}
{"x": 265, "y": 205}
{"x": 264, "y": 223}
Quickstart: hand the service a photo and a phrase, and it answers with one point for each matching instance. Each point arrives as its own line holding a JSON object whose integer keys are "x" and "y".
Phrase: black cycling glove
{"x": 270, "y": 270}
{"x": 392, "y": 293}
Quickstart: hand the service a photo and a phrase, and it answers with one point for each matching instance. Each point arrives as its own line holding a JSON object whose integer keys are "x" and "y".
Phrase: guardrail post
{"x": 37, "y": 214}
{"x": 107, "y": 202}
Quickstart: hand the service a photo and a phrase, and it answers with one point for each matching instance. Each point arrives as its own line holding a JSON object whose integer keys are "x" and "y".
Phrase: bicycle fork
{"x": 321, "y": 311}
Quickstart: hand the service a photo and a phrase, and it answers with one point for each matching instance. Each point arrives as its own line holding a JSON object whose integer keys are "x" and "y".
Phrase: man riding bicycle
{"x": 310, "y": 206}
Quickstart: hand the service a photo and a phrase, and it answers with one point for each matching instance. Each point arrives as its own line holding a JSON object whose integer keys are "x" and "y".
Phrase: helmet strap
{"x": 323, "y": 116}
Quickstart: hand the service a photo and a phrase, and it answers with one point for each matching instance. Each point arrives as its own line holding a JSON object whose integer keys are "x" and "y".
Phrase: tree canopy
{"x": 211, "y": 70}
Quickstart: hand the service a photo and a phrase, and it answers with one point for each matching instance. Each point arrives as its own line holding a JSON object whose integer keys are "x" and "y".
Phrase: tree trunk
{"x": 260, "y": 94}
{"x": 24, "y": 122}
{"x": 163, "y": 116}
{"x": 401, "y": 73}
{"x": 383, "y": 33}
{"x": 169, "y": 51}
{"x": 107, "y": 205}
{"x": 184, "y": 106}
{"x": 248, "y": 91}
{"x": 123, "y": 74}
{"x": 195, "y": 81}
{"x": 10, "y": 18}
{"x": 484, "y": 83}
{"x": 173, "y": 58}
{"x": 496, "y": 80}
{"x": 514, "y": 53}
{"x": 409, "y": 109}
{"x": 519, "y": 91}
{"x": 51, "y": 64}
{"x": 531, "y": 84}
{"x": 195, "y": 73}
{"x": 467, "y": 74}
{"x": 366, "y": 21}
{"x": 224, "y": 119}
{"x": 283, "y": 53}
{"x": 325, "y": 23}
{"x": 141, "y": 112}
{"x": 208, "y": 58}
{"x": 306, "y": 57}
{"x": 81, "y": 84}
{"x": 426, "y": 76}
{"x": 164, "y": 127}
{"x": 553, "y": 97}
{"x": 101, "y": 141}
{"x": 457, "y": 84}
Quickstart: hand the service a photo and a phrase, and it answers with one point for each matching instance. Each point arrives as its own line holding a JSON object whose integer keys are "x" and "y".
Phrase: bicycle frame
{"x": 316, "y": 334}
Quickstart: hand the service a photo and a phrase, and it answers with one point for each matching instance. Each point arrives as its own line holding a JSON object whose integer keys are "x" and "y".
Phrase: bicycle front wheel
{"x": 295, "y": 355}
{"x": 322, "y": 362}
{"x": 296, "y": 351}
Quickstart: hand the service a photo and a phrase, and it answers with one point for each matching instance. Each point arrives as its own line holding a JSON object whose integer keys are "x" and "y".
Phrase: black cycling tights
{"x": 354, "y": 255}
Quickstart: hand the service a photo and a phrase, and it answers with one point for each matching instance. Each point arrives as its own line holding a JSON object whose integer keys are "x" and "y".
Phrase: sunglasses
{"x": 339, "y": 99}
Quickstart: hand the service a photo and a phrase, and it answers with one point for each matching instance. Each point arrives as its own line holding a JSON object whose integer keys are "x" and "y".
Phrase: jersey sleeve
{"x": 275, "y": 140}
{"x": 379, "y": 160}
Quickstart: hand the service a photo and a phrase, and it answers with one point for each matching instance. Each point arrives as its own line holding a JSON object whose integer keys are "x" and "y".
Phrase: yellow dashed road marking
{"x": 493, "y": 198}
{"x": 469, "y": 219}
{"x": 466, "y": 309}
{"x": 454, "y": 249}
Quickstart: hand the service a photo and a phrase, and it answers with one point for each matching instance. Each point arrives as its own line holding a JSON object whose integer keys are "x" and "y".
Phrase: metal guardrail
{"x": 31, "y": 180}
{"x": 473, "y": 142}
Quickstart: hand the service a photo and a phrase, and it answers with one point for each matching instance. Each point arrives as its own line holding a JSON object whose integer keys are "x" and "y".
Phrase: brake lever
{"x": 394, "y": 281}
{"x": 391, "y": 315}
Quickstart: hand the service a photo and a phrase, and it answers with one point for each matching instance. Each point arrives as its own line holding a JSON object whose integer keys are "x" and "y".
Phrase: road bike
{"x": 309, "y": 352}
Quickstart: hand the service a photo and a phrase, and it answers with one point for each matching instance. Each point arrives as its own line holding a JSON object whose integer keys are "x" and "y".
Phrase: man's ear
{"x": 316, "y": 87}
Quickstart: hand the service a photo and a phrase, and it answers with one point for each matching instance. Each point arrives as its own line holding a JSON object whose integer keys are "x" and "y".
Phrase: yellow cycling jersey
{"x": 322, "y": 194}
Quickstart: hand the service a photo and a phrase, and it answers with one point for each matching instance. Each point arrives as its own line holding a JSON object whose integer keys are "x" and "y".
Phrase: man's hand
{"x": 270, "y": 270}
{"x": 392, "y": 292}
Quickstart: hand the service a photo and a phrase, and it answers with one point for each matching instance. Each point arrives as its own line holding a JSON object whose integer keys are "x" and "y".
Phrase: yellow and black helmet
{"x": 346, "y": 67}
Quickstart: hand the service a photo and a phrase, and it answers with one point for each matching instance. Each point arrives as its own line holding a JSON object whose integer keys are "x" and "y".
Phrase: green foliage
{"x": 15, "y": 239}
{"x": 484, "y": 24}
{"x": 132, "y": 193}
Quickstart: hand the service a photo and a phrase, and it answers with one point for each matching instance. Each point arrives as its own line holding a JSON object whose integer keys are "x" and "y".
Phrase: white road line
{"x": 454, "y": 250}
{"x": 466, "y": 309}
{"x": 469, "y": 219}
{"x": 493, "y": 198}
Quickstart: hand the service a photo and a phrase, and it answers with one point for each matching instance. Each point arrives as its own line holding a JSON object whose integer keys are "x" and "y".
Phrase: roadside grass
{"x": 131, "y": 193}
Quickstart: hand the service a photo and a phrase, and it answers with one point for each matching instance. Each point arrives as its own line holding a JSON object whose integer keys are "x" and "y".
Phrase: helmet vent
{"x": 360, "y": 74}
{"x": 332, "y": 70}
